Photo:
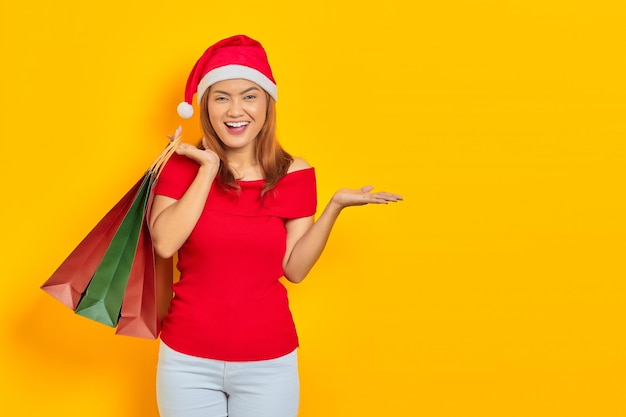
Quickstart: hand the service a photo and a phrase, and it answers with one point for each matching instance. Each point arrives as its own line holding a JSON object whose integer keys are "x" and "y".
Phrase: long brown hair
{"x": 272, "y": 158}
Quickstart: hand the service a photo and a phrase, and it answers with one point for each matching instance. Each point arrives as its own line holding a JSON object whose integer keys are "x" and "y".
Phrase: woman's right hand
{"x": 206, "y": 158}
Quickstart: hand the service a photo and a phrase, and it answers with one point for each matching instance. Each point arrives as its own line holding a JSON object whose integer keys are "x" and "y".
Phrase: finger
{"x": 367, "y": 189}
{"x": 180, "y": 149}
{"x": 377, "y": 201}
{"x": 185, "y": 149}
{"x": 371, "y": 199}
{"x": 380, "y": 198}
{"x": 389, "y": 196}
{"x": 205, "y": 142}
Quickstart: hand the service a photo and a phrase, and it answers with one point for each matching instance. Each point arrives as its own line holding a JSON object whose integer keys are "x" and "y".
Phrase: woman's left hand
{"x": 346, "y": 197}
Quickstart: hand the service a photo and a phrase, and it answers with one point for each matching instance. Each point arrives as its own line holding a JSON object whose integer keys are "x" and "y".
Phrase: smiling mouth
{"x": 236, "y": 125}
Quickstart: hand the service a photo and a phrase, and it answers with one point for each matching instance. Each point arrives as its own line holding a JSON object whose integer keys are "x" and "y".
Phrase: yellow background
{"x": 495, "y": 289}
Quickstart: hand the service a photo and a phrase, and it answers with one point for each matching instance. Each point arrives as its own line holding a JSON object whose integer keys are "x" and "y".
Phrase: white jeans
{"x": 188, "y": 386}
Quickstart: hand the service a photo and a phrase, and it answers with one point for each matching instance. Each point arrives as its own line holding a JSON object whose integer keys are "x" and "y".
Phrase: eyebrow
{"x": 243, "y": 92}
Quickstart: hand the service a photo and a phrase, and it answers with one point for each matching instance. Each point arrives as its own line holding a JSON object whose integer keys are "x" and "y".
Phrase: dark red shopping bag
{"x": 146, "y": 300}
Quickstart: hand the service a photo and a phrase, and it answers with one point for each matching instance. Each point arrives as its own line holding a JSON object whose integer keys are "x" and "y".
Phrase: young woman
{"x": 239, "y": 210}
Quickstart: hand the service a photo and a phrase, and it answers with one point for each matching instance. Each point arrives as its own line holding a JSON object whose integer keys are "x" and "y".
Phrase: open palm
{"x": 346, "y": 197}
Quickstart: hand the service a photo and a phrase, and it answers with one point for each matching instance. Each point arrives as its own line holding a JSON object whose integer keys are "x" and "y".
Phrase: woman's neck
{"x": 244, "y": 166}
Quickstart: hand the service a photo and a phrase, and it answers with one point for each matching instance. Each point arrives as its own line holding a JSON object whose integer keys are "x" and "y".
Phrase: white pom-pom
{"x": 185, "y": 110}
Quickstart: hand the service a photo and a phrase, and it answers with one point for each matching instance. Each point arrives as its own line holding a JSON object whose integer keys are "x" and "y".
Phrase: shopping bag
{"x": 102, "y": 301}
{"x": 94, "y": 278}
{"x": 68, "y": 283}
{"x": 146, "y": 300}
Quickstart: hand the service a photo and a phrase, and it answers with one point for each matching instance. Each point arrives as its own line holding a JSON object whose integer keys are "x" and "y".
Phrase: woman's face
{"x": 237, "y": 111}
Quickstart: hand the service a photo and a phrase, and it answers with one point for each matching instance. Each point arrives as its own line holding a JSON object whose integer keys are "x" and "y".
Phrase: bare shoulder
{"x": 298, "y": 164}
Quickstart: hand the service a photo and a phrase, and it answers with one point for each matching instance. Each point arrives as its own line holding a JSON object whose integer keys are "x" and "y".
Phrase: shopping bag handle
{"x": 159, "y": 163}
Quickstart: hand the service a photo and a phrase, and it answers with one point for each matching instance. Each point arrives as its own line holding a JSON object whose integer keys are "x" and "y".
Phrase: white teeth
{"x": 237, "y": 124}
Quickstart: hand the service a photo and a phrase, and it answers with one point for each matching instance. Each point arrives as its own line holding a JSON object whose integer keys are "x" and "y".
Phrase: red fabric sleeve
{"x": 294, "y": 196}
{"x": 177, "y": 175}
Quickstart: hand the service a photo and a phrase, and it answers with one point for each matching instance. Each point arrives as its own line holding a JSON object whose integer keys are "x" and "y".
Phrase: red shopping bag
{"x": 146, "y": 300}
{"x": 68, "y": 283}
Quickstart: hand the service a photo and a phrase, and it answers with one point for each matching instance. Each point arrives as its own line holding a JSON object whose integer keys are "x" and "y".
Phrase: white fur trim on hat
{"x": 230, "y": 72}
{"x": 185, "y": 110}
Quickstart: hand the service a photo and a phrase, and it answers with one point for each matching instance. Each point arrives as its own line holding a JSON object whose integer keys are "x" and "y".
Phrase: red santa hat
{"x": 235, "y": 57}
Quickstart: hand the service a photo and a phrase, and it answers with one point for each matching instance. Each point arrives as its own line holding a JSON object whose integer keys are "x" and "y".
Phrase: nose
{"x": 235, "y": 109}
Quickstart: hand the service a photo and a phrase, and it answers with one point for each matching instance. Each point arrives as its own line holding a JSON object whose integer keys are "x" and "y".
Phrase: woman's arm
{"x": 306, "y": 239}
{"x": 172, "y": 221}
